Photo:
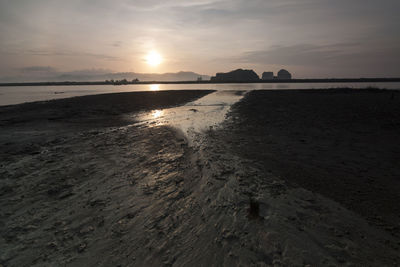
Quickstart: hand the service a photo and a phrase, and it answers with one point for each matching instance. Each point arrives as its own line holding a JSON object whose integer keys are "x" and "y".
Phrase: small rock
{"x": 52, "y": 245}
{"x": 31, "y": 227}
{"x": 86, "y": 230}
{"x": 81, "y": 247}
{"x": 130, "y": 215}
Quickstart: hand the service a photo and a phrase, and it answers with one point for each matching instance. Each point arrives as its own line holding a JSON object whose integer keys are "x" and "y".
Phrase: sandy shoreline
{"x": 81, "y": 186}
{"x": 85, "y": 109}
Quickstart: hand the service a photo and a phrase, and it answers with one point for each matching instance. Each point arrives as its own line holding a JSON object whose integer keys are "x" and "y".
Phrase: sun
{"x": 153, "y": 58}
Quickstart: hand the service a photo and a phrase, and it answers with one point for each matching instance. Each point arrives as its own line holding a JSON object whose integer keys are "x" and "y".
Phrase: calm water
{"x": 21, "y": 94}
{"x": 194, "y": 117}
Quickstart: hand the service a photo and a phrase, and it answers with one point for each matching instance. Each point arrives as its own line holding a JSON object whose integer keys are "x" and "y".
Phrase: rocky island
{"x": 238, "y": 75}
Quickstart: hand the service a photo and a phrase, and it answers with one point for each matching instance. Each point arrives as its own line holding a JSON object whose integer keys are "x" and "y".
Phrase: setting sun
{"x": 153, "y": 58}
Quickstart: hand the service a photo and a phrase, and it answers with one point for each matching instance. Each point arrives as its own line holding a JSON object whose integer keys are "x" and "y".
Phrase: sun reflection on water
{"x": 154, "y": 87}
{"x": 157, "y": 113}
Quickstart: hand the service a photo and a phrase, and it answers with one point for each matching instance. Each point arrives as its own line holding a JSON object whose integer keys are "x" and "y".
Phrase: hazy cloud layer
{"x": 315, "y": 38}
{"x": 49, "y": 74}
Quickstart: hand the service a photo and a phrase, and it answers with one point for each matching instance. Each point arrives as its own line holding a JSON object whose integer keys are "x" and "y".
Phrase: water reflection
{"x": 154, "y": 87}
{"x": 195, "y": 117}
{"x": 156, "y": 113}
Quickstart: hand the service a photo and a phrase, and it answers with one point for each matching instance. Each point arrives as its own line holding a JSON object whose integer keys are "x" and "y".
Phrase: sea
{"x": 20, "y": 94}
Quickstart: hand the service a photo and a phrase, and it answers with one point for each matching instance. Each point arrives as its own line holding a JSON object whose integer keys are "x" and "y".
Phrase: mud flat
{"x": 342, "y": 144}
{"x": 87, "y": 185}
{"x": 64, "y": 168}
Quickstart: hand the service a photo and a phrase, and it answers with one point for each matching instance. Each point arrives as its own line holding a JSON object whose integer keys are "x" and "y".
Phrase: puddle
{"x": 194, "y": 117}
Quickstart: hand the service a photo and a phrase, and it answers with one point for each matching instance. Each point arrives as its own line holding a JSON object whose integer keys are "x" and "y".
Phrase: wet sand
{"x": 343, "y": 144}
{"x": 74, "y": 172}
{"x": 83, "y": 184}
{"x": 95, "y": 108}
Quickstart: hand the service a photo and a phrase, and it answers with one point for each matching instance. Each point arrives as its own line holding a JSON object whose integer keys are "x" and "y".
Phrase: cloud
{"x": 37, "y": 69}
{"x": 117, "y": 44}
{"x": 115, "y": 34}
{"x": 66, "y": 53}
{"x": 341, "y": 59}
{"x": 301, "y": 54}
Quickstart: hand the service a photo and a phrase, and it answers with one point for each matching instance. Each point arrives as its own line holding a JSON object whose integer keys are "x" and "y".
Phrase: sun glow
{"x": 154, "y": 87}
{"x": 153, "y": 58}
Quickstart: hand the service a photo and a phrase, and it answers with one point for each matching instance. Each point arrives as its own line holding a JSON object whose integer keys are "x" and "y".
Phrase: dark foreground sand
{"x": 290, "y": 179}
{"x": 343, "y": 144}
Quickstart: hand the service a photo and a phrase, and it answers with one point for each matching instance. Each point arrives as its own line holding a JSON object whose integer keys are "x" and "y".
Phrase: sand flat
{"x": 343, "y": 144}
{"x": 83, "y": 185}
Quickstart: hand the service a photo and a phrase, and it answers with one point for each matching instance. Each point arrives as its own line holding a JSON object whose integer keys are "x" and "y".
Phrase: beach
{"x": 342, "y": 144}
{"x": 289, "y": 178}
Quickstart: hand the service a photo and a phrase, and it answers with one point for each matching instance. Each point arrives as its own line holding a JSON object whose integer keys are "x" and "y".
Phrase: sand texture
{"x": 290, "y": 178}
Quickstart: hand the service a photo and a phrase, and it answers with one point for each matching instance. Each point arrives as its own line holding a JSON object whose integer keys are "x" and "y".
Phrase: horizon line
{"x": 125, "y": 82}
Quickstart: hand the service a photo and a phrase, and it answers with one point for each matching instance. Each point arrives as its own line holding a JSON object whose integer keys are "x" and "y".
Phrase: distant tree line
{"x": 121, "y": 82}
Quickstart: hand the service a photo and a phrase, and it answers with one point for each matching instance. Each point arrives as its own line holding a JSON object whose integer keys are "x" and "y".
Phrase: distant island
{"x": 234, "y": 76}
{"x": 241, "y": 75}
{"x": 282, "y": 74}
{"x": 34, "y": 75}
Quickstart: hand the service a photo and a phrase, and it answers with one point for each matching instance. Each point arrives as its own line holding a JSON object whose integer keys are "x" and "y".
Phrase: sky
{"x": 310, "y": 38}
